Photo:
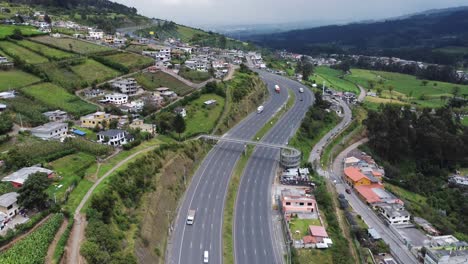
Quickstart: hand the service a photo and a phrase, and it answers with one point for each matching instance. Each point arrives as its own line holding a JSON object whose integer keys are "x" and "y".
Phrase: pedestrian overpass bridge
{"x": 290, "y": 157}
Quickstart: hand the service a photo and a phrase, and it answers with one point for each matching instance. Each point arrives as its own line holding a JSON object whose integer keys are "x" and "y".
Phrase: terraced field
{"x": 61, "y": 99}
{"x": 92, "y": 70}
{"x": 72, "y": 45}
{"x": 13, "y": 79}
{"x": 151, "y": 81}
{"x": 131, "y": 60}
{"x": 13, "y": 50}
{"x": 7, "y": 30}
{"x": 51, "y": 53}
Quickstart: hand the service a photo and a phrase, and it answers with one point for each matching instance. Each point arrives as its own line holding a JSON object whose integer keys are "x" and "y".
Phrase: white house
{"x": 7, "y": 95}
{"x": 180, "y": 111}
{"x": 127, "y": 86}
{"x": 18, "y": 178}
{"x": 394, "y": 213}
{"x": 53, "y": 130}
{"x": 8, "y": 204}
{"x": 3, "y": 60}
{"x": 116, "y": 98}
{"x": 57, "y": 115}
{"x": 95, "y": 35}
{"x": 114, "y": 137}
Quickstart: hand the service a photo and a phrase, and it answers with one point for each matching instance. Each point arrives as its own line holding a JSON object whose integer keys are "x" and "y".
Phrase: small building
{"x": 139, "y": 124}
{"x": 169, "y": 94}
{"x": 294, "y": 204}
{"x": 180, "y": 111}
{"x": 101, "y": 119}
{"x": 114, "y": 137}
{"x": 56, "y": 116}
{"x": 18, "y": 178}
{"x": 95, "y": 35}
{"x": 52, "y": 130}
{"x": 394, "y": 213}
{"x": 3, "y": 107}
{"x": 354, "y": 177}
{"x": 210, "y": 103}
{"x": 128, "y": 86}
{"x": 351, "y": 162}
{"x": 94, "y": 93}
{"x": 7, "y": 95}
{"x": 320, "y": 236}
{"x": 374, "y": 234}
{"x": 116, "y": 98}
{"x": 455, "y": 254}
{"x": 8, "y": 204}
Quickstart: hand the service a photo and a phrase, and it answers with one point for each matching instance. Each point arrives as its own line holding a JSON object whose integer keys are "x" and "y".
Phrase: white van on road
{"x": 205, "y": 256}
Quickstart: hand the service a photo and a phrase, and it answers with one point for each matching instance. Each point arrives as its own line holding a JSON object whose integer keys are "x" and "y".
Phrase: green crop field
{"x": 63, "y": 76}
{"x": 51, "y": 53}
{"x": 73, "y": 45}
{"x": 151, "y": 81}
{"x": 92, "y": 70}
{"x": 33, "y": 248}
{"x": 71, "y": 168}
{"x": 333, "y": 78}
{"x": 25, "y": 55}
{"x": 131, "y": 60}
{"x": 61, "y": 98}
{"x": 407, "y": 88}
{"x": 13, "y": 79}
{"x": 7, "y": 30}
{"x": 187, "y": 33}
{"x": 202, "y": 119}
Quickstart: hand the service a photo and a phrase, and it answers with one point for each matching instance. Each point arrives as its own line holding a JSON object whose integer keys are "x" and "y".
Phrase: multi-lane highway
{"x": 207, "y": 191}
{"x": 254, "y": 240}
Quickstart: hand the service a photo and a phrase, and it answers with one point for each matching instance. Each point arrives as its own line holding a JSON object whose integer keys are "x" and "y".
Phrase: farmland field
{"x": 92, "y": 70}
{"x": 25, "y": 55}
{"x": 63, "y": 76}
{"x": 71, "y": 168}
{"x": 131, "y": 60}
{"x": 407, "y": 88}
{"x": 13, "y": 79}
{"x": 33, "y": 248}
{"x": 61, "y": 98}
{"x": 151, "y": 81}
{"x": 332, "y": 79}
{"x": 202, "y": 119}
{"x": 71, "y": 44}
{"x": 45, "y": 51}
{"x": 7, "y": 30}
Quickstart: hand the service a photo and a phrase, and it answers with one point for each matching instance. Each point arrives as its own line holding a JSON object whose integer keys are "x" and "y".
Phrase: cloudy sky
{"x": 229, "y": 12}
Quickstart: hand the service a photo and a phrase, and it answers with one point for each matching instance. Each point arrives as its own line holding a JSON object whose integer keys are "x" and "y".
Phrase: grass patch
{"x": 92, "y": 70}
{"x": 7, "y": 30}
{"x": 130, "y": 60}
{"x": 228, "y": 219}
{"x": 71, "y": 169}
{"x": 14, "y": 79}
{"x": 23, "y": 54}
{"x": 407, "y": 88}
{"x": 314, "y": 256}
{"x": 151, "y": 81}
{"x": 200, "y": 118}
{"x": 77, "y": 195}
{"x": 194, "y": 76}
{"x": 51, "y": 53}
{"x": 61, "y": 98}
{"x": 334, "y": 79}
{"x": 300, "y": 227}
{"x": 72, "y": 45}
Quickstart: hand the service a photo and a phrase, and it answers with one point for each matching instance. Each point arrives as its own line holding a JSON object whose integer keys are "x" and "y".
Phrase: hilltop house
{"x": 115, "y": 98}
{"x": 94, "y": 93}
{"x": 139, "y": 124}
{"x": 394, "y": 213}
{"x": 99, "y": 118}
{"x": 114, "y": 137}
{"x": 8, "y": 204}
{"x": 128, "y": 86}
{"x": 56, "y": 116}
{"x": 52, "y": 130}
{"x": 18, "y": 178}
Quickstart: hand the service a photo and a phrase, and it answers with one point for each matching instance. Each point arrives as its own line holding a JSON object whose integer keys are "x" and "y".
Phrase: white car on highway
{"x": 205, "y": 256}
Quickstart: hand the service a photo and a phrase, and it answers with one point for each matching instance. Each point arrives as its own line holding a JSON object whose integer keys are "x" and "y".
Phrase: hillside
{"x": 436, "y": 37}
{"x": 104, "y": 14}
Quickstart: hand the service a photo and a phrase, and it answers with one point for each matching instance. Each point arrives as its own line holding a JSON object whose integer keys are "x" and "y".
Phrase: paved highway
{"x": 254, "y": 240}
{"x": 207, "y": 191}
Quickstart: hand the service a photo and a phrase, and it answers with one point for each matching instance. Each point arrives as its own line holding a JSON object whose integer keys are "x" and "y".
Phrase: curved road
{"x": 253, "y": 227}
{"x": 207, "y": 192}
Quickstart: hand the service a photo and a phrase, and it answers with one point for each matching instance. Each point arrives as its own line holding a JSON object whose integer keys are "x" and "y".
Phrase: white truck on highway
{"x": 260, "y": 109}
{"x": 190, "y": 217}
{"x": 301, "y": 90}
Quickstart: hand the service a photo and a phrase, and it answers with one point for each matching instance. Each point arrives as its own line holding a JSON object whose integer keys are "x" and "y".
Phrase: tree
{"x": 179, "y": 124}
{"x": 424, "y": 82}
{"x": 379, "y": 91}
{"x": 371, "y": 84}
{"x": 307, "y": 70}
{"x": 390, "y": 89}
{"x": 5, "y": 124}
{"x": 222, "y": 42}
{"x": 33, "y": 192}
{"x": 47, "y": 19}
{"x": 456, "y": 91}
{"x": 113, "y": 124}
{"x": 17, "y": 34}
